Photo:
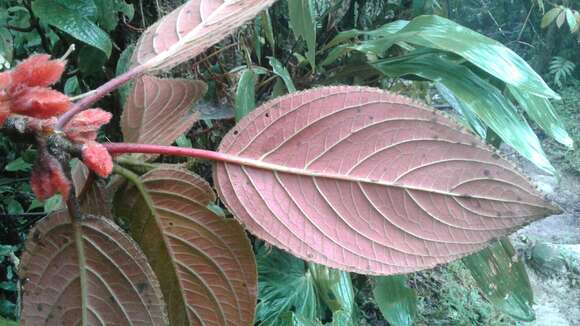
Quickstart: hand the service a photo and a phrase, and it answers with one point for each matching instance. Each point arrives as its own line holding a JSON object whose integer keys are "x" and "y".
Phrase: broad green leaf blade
{"x": 489, "y": 55}
{"x": 503, "y": 279}
{"x": 476, "y": 94}
{"x": 397, "y": 302}
{"x": 398, "y": 188}
{"x": 541, "y": 110}
{"x": 382, "y": 31}
{"x": 73, "y": 19}
{"x": 550, "y": 16}
{"x": 122, "y": 289}
{"x": 474, "y": 122}
{"x": 281, "y": 71}
{"x": 245, "y": 94}
{"x": 204, "y": 262}
{"x": 285, "y": 284}
{"x": 570, "y": 19}
{"x": 303, "y": 25}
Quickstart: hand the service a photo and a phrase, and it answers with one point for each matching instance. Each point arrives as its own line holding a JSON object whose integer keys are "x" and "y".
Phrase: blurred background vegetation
{"x": 299, "y": 44}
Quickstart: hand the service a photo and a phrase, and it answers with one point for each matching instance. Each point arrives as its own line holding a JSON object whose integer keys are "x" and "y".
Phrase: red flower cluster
{"x": 82, "y": 129}
{"x": 24, "y": 90}
{"x": 47, "y": 177}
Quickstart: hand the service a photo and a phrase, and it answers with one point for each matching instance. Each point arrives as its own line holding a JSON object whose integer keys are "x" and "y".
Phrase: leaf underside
{"x": 121, "y": 285}
{"x": 366, "y": 181}
{"x": 191, "y": 29}
{"x": 159, "y": 110}
{"x": 205, "y": 263}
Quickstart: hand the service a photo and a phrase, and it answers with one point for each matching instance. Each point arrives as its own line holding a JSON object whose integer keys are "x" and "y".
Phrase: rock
{"x": 548, "y": 260}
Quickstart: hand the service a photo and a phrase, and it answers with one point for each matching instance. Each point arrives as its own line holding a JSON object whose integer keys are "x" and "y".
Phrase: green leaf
{"x": 476, "y": 125}
{"x": 245, "y": 94}
{"x": 13, "y": 207}
{"x": 71, "y": 86}
{"x": 18, "y": 165}
{"x": 570, "y": 19}
{"x": 550, "y": 16}
{"x": 76, "y": 19}
{"x": 476, "y": 94}
{"x": 266, "y": 22}
{"x": 108, "y": 12}
{"x": 284, "y": 284}
{"x": 489, "y": 55}
{"x": 502, "y": 279}
{"x": 281, "y": 71}
{"x": 7, "y": 322}
{"x": 123, "y": 65}
{"x": 303, "y": 25}
{"x": 91, "y": 61}
{"x": 300, "y": 293}
{"x": 397, "y": 302}
{"x": 52, "y": 204}
{"x": 382, "y": 31}
{"x": 543, "y": 113}
{"x": 183, "y": 141}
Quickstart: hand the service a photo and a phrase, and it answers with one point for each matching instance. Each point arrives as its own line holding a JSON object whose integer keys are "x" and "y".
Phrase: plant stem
{"x": 122, "y": 148}
{"x": 97, "y": 94}
{"x": 76, "y": 219}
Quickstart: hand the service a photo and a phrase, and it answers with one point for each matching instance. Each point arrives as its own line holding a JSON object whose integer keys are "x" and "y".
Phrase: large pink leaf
{"x": 191, "y": 29}
{"x": 366, "y": 181}
{"x": 159, "y": 110}
{"x": 204, "y": 262}
{"x": 122, "y": 289}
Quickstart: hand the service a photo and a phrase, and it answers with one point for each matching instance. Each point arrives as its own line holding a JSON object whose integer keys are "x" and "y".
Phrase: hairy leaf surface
{"x": 191, "y": 29}
{"x": 204, "y": 262}
{"x": 121, "y": 285}
{"x": 159, "y": 110}
{"x": 366, "y": 181}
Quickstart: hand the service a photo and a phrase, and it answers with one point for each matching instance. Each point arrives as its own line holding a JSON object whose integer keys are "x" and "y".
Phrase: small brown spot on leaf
{"x": 486, "y": 173}
{"x": 495, "y": 156}
{"x": 141, "y": 287}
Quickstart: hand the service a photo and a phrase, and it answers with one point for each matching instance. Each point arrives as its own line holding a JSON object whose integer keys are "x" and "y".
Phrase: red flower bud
{"x": 38, "y": 70}
{"x": 83, "y": 126}
{"x": 97, "y": 158}
{"x": 4, "y": 111}
{"x": 39, "y": 102}
{"x": 48, "y": 177}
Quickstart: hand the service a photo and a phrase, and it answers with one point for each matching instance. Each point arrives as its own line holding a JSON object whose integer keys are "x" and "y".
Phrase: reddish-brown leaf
{"x": 159, "y": 110}
{"x": 191, "y": 29}
{"x": 121, "y": 285}
{"x": 204, "y": 262}
{"x": 366, "y": 181}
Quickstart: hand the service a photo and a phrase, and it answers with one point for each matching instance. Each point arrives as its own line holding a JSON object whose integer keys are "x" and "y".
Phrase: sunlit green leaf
{"x": 476, "y": 125}
{"x": 476, "y": 94}
{"x": 397, "y": 302}
{"x": 245, "y": 94}
{"x": 491, "y": 56}
{"x": 303, "y": 25}
{"x": 570, "y": 19}
{"x": 503, "y": 279}
{"x": 543, "y": 113}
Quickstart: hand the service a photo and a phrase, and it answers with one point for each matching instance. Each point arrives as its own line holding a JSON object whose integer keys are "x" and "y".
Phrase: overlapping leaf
{"x": 503, "y": 279}
{"x": 159, "y": 110}
{"x": 191, "y": 29}
{"x": 397, "y": 302}
{"x": 204, "y": 262}
{"x": 121, "y": 285}
{"x": 90, "y": 192}
{"x": 365, "y": 181}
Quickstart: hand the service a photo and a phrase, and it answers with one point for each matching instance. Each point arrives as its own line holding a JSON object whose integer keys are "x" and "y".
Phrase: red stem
{"x": 122, "y": 148}
{"x": 100, "y": 92}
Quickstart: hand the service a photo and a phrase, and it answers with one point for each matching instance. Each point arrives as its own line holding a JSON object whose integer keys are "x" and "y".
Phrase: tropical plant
{"x": 561, "y": 69}
{"x": 346, "y": 177}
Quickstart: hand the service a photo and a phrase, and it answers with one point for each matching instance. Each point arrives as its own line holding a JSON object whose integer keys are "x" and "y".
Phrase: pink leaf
{"x": 366, "y": 181}
{"x": 159, "y": 110}
{"x": 190, "y": 29}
